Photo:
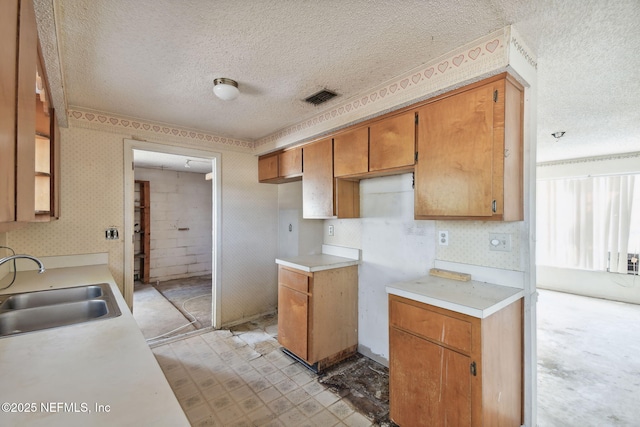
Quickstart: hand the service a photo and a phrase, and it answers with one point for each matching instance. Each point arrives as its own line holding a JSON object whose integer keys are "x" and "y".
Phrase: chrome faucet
{"x": 32, "y": 258}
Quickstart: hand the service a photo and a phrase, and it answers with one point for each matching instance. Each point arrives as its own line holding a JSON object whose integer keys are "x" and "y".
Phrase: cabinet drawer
{"x": 293, "y": 280}
{"x": 437, "y": 327}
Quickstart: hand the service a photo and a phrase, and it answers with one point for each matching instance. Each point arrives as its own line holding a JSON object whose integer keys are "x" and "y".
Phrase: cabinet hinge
{"x": 494, "y": 206}
{"x": 472, "y": 368}
{"x": 495, "y": 95}
{"x": 413, "y": 180}
{"x": 416, "y": 157}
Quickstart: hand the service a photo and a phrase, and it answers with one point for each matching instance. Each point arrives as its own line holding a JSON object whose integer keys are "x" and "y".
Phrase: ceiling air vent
{"x": 321, "y": 97}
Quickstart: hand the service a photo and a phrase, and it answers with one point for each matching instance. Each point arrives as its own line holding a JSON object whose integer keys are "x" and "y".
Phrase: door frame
{"x": 216, "y": 220}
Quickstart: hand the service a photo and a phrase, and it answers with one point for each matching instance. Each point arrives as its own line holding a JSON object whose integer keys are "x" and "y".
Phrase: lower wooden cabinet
{"x": 448, "y": 368}
{"x": 318, "y": 314}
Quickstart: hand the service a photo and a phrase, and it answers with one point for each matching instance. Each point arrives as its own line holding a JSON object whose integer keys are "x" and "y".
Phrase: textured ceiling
{"x": 157, "y": 160}
{"x": 156, "y": 59}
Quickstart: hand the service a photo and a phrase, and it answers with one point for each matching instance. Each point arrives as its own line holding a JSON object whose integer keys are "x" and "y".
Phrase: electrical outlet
{"x": 111, "y": 233}
{"x": 443, "y": 238}
{"x": 331, "y": 230}
{"x": 500, "y": 242}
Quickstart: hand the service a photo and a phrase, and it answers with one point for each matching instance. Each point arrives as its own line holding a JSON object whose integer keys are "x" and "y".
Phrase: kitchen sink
{"x": 51, "y": 297}
{"x": 34, "y": 311}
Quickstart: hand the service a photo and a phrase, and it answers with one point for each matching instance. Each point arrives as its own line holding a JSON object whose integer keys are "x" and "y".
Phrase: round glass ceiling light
{"x": 225, "y": 89}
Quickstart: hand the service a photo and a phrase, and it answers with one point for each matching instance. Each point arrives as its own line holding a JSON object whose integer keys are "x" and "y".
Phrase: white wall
{"x": 296, "y": 235}
{"x": 92, "y": 199}
{"x": 396, "y": 247}
{"x": 249, "y": 240}
{"x": 598, "y": 284}
{"x": 178, "y": 200}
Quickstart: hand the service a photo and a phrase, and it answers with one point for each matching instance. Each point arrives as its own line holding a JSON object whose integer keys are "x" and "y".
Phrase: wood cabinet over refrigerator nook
{"x": 465, "y": 148}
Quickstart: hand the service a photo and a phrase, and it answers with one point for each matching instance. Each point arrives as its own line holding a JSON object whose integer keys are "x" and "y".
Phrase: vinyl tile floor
{"x": 242, "y": 378}
{"x": 588, "y": 372}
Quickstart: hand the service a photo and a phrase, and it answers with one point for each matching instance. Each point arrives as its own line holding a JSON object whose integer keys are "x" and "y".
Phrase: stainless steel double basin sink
{"x": 34, "y": 311}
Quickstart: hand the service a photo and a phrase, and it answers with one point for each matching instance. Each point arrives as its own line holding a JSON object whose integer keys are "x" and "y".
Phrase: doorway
{"x": 184, "y": 273}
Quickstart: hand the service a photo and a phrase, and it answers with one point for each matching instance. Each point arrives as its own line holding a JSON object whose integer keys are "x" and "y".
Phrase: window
{"x": 589, "y": 223}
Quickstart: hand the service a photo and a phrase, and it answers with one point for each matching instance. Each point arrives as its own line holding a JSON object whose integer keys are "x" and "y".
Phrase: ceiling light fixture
{"x": 558, "y": 135}
{"x": 226, "y": 89}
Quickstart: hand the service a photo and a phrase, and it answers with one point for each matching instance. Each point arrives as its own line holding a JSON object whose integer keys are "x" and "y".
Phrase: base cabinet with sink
{"x": 318, "y": 314}
{"x": 78, "y": 342}
{"x": 449, "y": 368}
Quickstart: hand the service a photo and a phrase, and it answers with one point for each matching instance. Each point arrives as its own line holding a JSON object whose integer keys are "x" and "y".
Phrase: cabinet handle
{"x": 494, "y": 206}
{"x": 473, "y": 368}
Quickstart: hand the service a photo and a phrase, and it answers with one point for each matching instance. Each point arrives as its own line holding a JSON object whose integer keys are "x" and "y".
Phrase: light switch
{"x": 500, "y": 242}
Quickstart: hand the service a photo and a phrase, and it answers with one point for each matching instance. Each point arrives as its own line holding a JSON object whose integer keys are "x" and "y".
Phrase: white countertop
{"x": 331, "y": 257}
{"x": 477, "y": 299}
{"x": 102, "y": 362}
{"x": 318, "y": 262}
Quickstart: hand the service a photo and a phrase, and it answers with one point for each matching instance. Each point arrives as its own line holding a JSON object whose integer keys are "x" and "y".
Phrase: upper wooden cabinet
{"x": 290, "y": 163}
{"x": 47, "y": 166}
{"x": 29, "y": 133}
{"x": 322, "y": 195}
{"x": 351, "y": 152}
{"x": 17, "y": 123}
{"x": 470, "y": 153}
{"x": 386, "y": 146}
{"x": 466, "y": 152}
{"x": 317, "y": 184}
{"x": 280, "y": 167}
{"x": 268, "y": 168}
{"x": 392, "y": 142}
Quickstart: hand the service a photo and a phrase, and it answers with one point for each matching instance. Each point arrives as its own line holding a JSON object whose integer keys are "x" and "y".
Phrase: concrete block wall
{"x": 181, "y": 235}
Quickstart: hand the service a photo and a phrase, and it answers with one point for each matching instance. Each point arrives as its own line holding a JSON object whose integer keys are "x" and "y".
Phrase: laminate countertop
{"x": 477, "y": 299}
{"x": 98, "y": 373}
{"x": 318, "y": 262}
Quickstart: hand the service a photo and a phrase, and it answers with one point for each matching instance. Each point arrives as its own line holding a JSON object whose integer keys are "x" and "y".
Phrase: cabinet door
{"x": 351, "y": 152}
{"x": 9, "y": 51}
{"x": 393, "y": 142}
{"x": 292, "y": 320}
{"x": 267, "y": 168}
{"x": 455, "y": 149}
{"x": 26, "y": 113}
{"x": 429, "y": 385}
{"x": 290, "y": 163}
{"x": 317, "y": 180}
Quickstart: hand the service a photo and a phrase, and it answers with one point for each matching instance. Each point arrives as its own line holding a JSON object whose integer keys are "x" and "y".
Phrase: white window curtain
{"x": 588, "y": 223}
